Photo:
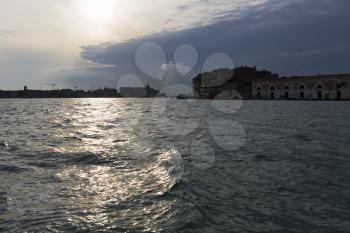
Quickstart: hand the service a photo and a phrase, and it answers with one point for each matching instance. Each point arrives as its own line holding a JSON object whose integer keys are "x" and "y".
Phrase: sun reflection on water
{"x": 120, "y": 179}
{"x": 105, "y": 195}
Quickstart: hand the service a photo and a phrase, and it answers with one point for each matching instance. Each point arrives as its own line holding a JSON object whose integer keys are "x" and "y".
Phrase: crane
{"x": 52, "y": 86}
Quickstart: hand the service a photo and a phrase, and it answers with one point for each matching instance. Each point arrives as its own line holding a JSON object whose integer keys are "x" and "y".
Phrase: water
{"x": 133, "y": 165}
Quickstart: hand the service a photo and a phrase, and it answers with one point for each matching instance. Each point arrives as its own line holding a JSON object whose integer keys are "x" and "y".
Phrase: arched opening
{"x": 339, "y": 94}
{"x": 258, "y": 91}
{"x": 272, "y": 92}
{"x": 286, "y": 92}
{"x": 302, "y": 92}
{"x": 319, "y": 91}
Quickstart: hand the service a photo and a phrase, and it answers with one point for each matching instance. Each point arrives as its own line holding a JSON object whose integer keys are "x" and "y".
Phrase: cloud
{"x": 178, "y": 67}
{"x": 294, "y": 38}
{"x": 288, "y": 37}
{"x": 205, "y": 12}
{"x": 261, "y": 36}
{"x": 183, "y": 8}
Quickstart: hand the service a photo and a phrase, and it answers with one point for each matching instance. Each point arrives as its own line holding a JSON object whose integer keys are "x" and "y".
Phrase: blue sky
{"x": 93, "y": 43}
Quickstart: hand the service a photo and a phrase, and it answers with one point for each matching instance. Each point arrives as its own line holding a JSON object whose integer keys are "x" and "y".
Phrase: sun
{"x": 99, "y": 11}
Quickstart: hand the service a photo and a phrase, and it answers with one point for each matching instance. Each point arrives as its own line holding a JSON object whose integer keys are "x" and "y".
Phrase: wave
{"x": 11, "y": 168}
{"x": 266, "y": 158}
{"x": 86, "y": 159}
{"x": 8, "y": 146}
{"x": 52, "y": 160}
{"x": 3, "y": 202}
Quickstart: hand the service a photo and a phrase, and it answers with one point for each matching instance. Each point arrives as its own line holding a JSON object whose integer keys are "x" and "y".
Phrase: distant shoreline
{"x": 245, "y": 100}
{"x": 146, "y": 92}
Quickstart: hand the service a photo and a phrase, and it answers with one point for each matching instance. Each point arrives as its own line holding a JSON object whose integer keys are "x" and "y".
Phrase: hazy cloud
{"x": 19, "y": 67}
{"x": 4, "y": 32}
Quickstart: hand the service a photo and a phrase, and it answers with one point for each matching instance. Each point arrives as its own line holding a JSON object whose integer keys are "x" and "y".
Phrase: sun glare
{"x": 99, "y": 10}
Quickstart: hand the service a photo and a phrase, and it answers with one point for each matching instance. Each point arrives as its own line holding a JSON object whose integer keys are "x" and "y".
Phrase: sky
{"x": 108, "y": 43}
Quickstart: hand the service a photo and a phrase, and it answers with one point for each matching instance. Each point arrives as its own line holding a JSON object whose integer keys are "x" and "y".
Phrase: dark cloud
{"x": 192, "y": 4}
{"x": 299, "y": 37}
{"x": 183, "y": 7}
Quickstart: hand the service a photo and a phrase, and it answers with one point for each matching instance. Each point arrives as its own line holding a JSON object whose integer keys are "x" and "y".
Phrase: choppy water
{"x": 127, "y": 165}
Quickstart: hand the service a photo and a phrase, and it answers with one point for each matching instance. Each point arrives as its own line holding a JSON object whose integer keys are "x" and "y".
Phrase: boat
{"x": 181, "y": 97}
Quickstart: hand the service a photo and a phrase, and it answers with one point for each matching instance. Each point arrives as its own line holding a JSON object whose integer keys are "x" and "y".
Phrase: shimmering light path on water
{"x": 130, "y": 165}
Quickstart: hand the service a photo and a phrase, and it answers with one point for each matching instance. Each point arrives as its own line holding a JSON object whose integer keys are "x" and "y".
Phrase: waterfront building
{"x": 249, "y": 83}
{"x": 320, "y": 87}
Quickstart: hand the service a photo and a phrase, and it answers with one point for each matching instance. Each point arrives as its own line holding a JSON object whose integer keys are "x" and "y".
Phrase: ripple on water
{"x": 130, "y": 196}
{"x": 109, "y": 165}
{"x": 85, "y": 159}
{"x": 8, "y": 168}
{"x": 3, "y": 202}
{"x": 8, "y": 146}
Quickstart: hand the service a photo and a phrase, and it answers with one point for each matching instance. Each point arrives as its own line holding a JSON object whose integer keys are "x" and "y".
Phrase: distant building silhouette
{"x": 138, "y": 92}
{"x": 68, "y": 93}
{"x": 64, "y": 93}
{"x": 133, "y": 92}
